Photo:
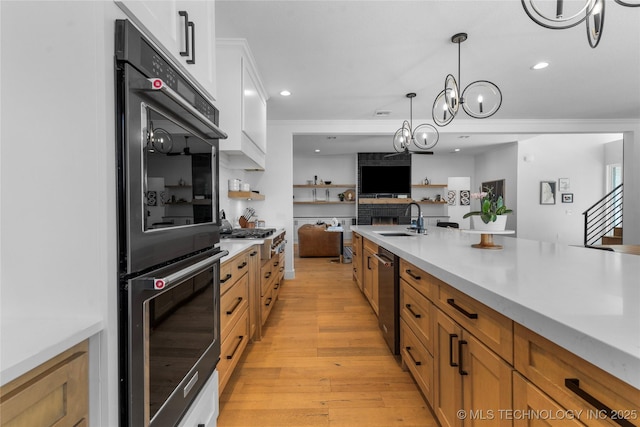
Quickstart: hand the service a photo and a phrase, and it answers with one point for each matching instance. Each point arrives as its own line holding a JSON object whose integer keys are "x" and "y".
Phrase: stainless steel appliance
{"x": 388, "y": 298}
{"x": 168, "y": 228}
{"x": 273, "y": 240}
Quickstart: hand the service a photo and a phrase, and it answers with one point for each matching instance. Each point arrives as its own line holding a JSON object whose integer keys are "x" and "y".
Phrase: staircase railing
{"x": 603, "y": 216}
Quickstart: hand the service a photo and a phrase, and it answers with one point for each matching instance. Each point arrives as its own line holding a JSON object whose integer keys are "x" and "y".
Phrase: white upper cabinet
{"x": 242, "y": 102}
{"x": 184, "y": 30}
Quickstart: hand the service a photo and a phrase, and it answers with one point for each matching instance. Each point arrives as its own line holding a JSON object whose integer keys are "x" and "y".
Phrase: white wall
{"x": 581, "y": 158}
{"x": 337, "y": 169}
{"x": 58, "y": 214}
{"x": 496, "y": 164}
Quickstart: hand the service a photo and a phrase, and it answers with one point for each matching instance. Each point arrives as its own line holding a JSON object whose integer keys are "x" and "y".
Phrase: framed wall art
{"x": 465, "y": 197}
{"x": 567, "y": 197}
{"x": 496, "y": 187}
{"x": 564, "y": 184}
{"x": 547, "y": 192}
{"x": 451, "y": 197}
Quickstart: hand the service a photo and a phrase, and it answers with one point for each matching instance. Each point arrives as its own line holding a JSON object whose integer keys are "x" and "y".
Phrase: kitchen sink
{"x": 396, "y": 234}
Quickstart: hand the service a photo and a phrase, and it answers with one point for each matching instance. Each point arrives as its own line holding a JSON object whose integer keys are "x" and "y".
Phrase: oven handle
{"x": 157, "y": 85}
{"x": 164, "y": 283}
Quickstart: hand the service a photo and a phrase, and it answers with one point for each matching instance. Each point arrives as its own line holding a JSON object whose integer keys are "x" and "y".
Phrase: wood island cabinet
{"x": 370, "y": 273}
{"x": 477, "y": 367}
{"x": 551, "y": 373}
{"x": 443, "y": 344}
{"x": 356, "y": 258}
{"x": 469, "y": 377}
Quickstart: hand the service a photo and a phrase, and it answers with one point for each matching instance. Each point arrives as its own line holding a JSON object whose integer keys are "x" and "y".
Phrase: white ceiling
{"x": 344, "y": 60}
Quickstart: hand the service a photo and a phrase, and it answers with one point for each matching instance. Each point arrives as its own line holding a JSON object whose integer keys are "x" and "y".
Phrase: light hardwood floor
{"x": 322, "y": 362}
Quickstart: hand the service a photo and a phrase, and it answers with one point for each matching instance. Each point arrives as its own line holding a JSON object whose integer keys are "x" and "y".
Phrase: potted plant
{"x": 341, "y": 197}
{"x": 493, "y": 212}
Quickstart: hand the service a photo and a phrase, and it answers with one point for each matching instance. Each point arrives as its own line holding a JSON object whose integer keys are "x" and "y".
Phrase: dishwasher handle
{"x": 386, "y": 262}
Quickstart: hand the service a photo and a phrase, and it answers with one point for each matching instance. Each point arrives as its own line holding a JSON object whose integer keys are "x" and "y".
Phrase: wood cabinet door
{"x": 356, "y": 247}
{"x": 448, "y": 384}
{"x": 368, "y": 262}
{"x": 254, "y": 294}
{"x": 486, "y": 385}
{"x": 529, "y": 399}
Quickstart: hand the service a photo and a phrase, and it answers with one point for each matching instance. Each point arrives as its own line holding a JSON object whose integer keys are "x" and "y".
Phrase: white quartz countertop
{"x": 236, "y": 246}
{"x": 29, "y": 342}
{"x": 585, "y": 300}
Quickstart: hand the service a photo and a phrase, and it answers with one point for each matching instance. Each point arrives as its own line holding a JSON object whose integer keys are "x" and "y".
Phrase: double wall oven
{"x": 168, "y": 227}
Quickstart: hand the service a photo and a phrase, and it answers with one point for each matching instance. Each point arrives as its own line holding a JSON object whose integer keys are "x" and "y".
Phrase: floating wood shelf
{"x": 385, "y": 201}
{"x": 428, "y": 185}
{"x": 324, "y": 186}
{"x": 322, "y": 202}
{"x": 248, "y": 195}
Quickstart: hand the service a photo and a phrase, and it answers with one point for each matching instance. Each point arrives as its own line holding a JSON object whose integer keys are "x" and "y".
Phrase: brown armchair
{"x": 314, "y": 241}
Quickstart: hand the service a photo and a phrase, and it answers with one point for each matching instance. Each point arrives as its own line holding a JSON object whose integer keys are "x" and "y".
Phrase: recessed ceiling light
{"x": 317, "y": 150}
{"x": 455, "y": 150}
{"x": 540, "y": 66}
{"x": 285, "y": 93}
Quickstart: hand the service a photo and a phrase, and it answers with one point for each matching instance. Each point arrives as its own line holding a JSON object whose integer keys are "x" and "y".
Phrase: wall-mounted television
{"x": 385, "y": 179}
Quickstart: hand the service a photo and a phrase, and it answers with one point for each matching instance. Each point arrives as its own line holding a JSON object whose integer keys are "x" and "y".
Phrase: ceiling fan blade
{"x": 422, "y": 152}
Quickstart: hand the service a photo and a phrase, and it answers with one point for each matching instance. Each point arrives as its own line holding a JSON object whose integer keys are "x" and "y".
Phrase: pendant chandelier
{"x": 480, "y": 99}
{"x": 423, "y": 137}
{"x": 559, "y": 15}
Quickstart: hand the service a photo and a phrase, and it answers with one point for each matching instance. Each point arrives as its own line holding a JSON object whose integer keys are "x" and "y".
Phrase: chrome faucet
{"x": 420, "y": 221}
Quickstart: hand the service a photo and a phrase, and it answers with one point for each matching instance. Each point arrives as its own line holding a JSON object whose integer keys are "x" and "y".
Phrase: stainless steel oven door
{"x": 168, "y": 177}
{"x": 173, "y": 339}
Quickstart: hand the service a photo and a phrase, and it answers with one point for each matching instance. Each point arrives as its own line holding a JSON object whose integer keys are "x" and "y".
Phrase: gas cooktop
{"x": 248, "y": 233}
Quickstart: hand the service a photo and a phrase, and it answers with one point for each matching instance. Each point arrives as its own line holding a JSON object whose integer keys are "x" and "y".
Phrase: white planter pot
{"x": 499, "y": 225}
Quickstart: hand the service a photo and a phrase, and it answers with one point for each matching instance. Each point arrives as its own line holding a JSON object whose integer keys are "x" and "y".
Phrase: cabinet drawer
{"x": 368, "y": 244}
{"x": 266, "y": 277}
{"x": 424, "y": 283}
{"x": 417, "y": 311}
{"x": 267, "y": 300}
{"x": 232, "y": 348}
{"x": 417, "y": 359}
{"x": 572, "y": 381}
{"x": 233, "y": 303}
{"x": 529, "y": 399}
{"x": 492, "y": 328}
{"x": 54, "y": 393}
{"x": 281, "y": 266}
{"x": 231, "y": 270}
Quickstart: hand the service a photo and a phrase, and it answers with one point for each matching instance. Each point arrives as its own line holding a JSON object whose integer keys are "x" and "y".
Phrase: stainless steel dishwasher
{"x": 388, "y": 298}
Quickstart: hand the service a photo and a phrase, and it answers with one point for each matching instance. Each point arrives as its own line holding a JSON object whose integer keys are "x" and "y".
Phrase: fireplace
{"x": 384, "y": 220}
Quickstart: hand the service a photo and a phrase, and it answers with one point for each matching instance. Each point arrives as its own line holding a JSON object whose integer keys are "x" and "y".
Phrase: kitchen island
{"x": 583, "y": 300}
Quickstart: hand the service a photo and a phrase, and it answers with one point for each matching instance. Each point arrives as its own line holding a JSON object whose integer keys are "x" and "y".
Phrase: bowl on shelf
{"x": 328, "y": 182}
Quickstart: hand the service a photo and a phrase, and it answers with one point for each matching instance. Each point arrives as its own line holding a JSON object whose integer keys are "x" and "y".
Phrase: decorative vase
{"x": 498, "y": 225}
